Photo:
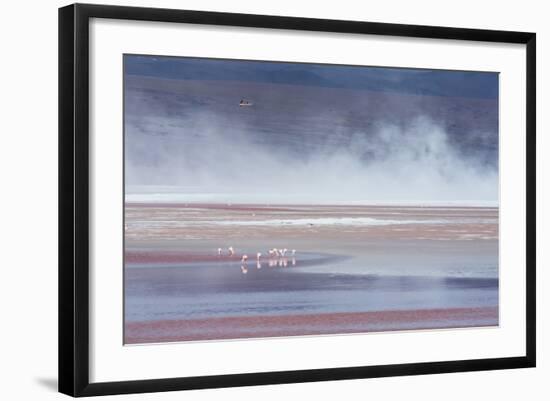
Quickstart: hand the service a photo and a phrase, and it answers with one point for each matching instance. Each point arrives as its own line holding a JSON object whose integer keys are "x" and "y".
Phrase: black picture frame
{"x": 74, "y": 199}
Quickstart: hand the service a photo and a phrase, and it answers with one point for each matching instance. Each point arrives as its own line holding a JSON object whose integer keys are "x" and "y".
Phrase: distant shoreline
{"x": 275, "y": 205}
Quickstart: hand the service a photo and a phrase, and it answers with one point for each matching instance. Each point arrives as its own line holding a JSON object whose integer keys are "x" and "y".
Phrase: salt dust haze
{"x": 272, "y": 199}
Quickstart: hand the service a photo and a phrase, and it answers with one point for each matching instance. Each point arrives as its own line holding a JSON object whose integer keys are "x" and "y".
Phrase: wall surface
{"x": 28, "y": 165}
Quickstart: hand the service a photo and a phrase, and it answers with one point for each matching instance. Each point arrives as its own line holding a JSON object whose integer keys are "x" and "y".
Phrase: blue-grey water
{"x": 205, "y": 290}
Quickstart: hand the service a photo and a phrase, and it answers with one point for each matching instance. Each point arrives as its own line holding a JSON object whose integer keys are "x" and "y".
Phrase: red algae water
{"x": 308, "y": 270}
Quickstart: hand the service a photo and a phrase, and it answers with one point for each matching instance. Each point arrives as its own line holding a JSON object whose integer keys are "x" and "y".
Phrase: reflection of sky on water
{"x": 216, "y": 290}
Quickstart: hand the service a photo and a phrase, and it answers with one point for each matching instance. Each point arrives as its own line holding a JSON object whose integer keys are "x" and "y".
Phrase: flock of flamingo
{"x": 275, "y": 257}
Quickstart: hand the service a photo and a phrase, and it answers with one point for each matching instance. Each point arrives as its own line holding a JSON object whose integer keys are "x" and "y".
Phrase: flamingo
{"x": 231, "y": 251}
{"x": 293, "y": 252}
{"x": 244, "y": 259}
{"x": 258, "y": 255}
{"x": 284, "y": 252}
{"x": 219, "y": 251}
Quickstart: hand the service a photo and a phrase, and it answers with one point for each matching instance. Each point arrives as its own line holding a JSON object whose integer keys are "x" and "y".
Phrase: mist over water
{"x": 416, "y": 163}
{"x": 192, "y": 141}
{"x": 321, "y": 136}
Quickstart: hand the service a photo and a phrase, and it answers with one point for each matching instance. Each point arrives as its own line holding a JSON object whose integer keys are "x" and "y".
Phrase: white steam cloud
{"x": 201, "y": 159}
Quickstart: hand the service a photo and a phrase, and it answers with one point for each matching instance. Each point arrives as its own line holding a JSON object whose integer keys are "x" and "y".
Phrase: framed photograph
{"x": 250, "y": 199}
